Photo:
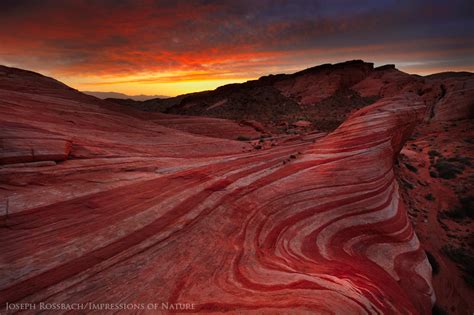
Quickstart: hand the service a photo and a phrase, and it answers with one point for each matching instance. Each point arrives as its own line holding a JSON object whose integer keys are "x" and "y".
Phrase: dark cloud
{"x": 85, "y": 37}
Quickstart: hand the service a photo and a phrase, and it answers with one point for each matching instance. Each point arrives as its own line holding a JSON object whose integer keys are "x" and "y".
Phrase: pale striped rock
{"x": 141, "y": 213}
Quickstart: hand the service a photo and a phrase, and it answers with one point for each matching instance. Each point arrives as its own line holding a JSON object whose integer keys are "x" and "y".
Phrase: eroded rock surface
{"x": 140, "y": 212}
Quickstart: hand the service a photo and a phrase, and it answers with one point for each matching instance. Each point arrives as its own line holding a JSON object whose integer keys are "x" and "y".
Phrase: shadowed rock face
{"x": 139, "y": 212}
{"x": 314, "y": 94}
{"x": 324, "y": 95}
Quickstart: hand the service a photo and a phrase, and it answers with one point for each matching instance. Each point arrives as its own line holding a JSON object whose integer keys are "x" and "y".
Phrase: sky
{"x": 175, "y": 47}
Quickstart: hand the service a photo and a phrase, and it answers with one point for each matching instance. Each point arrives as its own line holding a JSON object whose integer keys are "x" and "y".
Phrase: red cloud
{"x": 223, "y": 39}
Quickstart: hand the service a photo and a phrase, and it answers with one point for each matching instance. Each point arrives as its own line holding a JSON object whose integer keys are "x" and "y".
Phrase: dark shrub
{"x": 411, "y": 168}
{"x": 467, "y": 203}
{"x": 429, "y": 197}
{"x": 464, "y": 261}
{"x": 243, "y": 138}
{"x": 438, "y": 310}
{"x": 460, "y": 159}
{"x": 464, "y": 210}
{"x": 447, "y": 170}
{"x": 407, "y": 184}
{"x": 433, "y": 262}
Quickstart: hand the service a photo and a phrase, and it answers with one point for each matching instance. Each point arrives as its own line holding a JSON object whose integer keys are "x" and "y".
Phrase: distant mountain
{"x": 141, "y": 97}
{"x": 162, "y": 104}
{"x": 322, "y": 96}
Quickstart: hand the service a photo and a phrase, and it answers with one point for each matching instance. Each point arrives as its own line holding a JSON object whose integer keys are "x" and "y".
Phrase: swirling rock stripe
{"x": 254, "y": 232}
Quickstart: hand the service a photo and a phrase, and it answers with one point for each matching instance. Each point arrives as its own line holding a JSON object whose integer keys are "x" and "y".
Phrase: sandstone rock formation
{"x": 322, "y": 95}
{"x": 136, "y": 210}
{"x": 436, "y": 174}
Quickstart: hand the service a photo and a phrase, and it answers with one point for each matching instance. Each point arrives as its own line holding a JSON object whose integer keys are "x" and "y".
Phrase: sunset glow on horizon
{"x": 170, "y": 48}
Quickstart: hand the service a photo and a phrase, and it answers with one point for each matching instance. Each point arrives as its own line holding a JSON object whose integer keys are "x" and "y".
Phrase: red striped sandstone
{"x": 143, "y": 213}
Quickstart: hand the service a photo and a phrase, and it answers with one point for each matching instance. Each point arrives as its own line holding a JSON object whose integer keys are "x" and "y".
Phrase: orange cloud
{"x": 143, "y": 44}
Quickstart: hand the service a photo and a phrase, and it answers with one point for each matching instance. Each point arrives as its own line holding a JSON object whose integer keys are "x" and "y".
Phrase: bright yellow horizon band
{"x": 164, "y": 83}
{"x": 177, "y": 83}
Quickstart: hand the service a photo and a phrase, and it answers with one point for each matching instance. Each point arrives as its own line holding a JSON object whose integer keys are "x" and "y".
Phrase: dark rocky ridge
{"x": 274, "y": 99}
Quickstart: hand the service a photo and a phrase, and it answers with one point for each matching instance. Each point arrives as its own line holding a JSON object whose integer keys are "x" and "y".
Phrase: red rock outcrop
{"x": 313, "y": 85}
{"x": 435, "y": 171}
{"x": 141, "y": 213}
{"x": 384, "y": 82}
{"x": 207, "y": 126}
{"x": 33, "y": 149}
{"x": 284, "y": 97}
{"x": 456, "y": 100}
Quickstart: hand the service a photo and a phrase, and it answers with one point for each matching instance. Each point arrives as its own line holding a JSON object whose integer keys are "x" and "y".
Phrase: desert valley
{"x": 340, "y": 189}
